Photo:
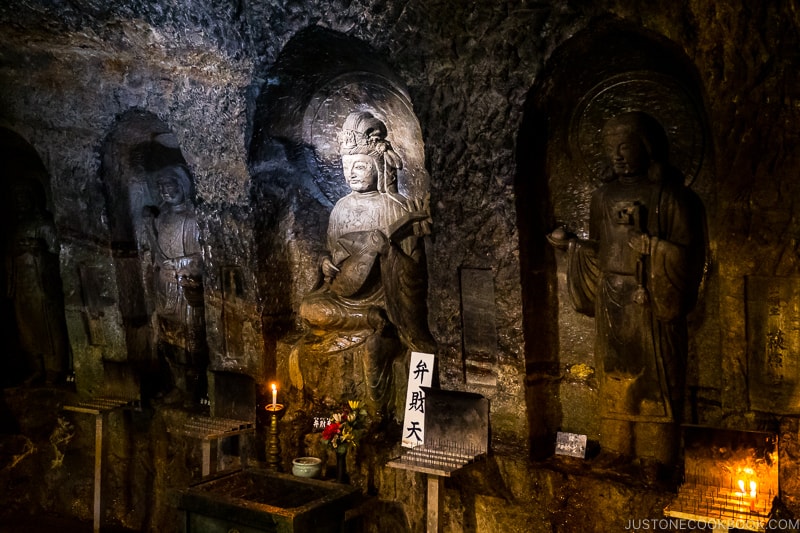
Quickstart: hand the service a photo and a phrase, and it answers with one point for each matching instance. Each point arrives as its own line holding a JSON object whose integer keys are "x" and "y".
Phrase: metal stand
{"x": 435, "y": 490}
{"x": 99, "y": 407}
{"x": 436, "y": 462}
{"x": 208, "y": 429}
{"x": 273, "y": 443}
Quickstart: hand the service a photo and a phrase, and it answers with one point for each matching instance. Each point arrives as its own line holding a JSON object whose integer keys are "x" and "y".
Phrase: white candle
{"x": 274, "y": 396}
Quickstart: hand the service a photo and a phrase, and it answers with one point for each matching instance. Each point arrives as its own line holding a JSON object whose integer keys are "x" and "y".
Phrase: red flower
{"x": 330, "y": 431}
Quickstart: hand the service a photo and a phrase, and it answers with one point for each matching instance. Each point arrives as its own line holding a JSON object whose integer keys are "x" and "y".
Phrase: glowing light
{"x": 275, "y": 398}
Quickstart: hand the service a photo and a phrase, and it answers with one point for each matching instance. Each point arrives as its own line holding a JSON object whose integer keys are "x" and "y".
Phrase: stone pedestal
{"x": 335, "y": 368}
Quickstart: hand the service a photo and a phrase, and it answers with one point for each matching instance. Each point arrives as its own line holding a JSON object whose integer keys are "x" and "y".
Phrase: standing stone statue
{"x": 375, "y": 274}
{"x": 34, "y": 285}
{"x": 177, "y": 259}
{"x": 638, "y": 275}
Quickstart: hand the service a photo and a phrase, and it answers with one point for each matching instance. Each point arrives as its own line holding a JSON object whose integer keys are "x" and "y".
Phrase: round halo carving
{"x": 659, "y": 95}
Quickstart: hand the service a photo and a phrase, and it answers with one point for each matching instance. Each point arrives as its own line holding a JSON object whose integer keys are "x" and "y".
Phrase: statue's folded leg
{"x": 325, "y": 311}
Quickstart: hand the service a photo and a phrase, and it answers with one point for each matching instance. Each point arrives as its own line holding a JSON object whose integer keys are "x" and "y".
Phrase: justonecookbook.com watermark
{"x": 686, "y": 524}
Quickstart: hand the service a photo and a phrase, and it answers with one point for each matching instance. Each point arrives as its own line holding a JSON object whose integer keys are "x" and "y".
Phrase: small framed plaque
{"x": 571, "y": 444}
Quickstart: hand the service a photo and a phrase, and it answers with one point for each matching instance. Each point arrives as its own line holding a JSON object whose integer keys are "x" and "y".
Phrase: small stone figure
{"x": 375, "y": 276}
{"x": 177, "y": 259}
{"x": 34, "y": 285}
{"x": 638, "y": 275}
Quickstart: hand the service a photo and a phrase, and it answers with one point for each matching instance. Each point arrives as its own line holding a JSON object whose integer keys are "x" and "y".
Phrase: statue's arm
{"x": 149, "y": 214}
{"x": 191, "y": 264}
{"x": 677, "y": 258}
{"x": 48, "y": 234}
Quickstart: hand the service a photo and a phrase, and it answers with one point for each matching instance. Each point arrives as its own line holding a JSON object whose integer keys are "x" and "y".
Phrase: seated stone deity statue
{"x": 177, "y": 259}
{"x": 375, "y": 273}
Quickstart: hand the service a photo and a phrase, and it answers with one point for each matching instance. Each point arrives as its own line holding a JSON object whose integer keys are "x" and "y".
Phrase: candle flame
{"x": 741, "y": 485}
{"x": 274, "y": 397}
{"x": 753, "y": 489}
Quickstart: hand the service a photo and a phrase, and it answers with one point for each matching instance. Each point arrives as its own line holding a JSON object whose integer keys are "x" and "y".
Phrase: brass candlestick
{"x": 275, "y": 411}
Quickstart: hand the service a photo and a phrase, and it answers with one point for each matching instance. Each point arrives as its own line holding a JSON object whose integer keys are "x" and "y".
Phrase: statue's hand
{"x": 559, "y": 238}
{"x": 329, "y": 270}
{"x": 415, "y": 222}
{"x": 149, "y": 212}
{"x": 639, "y": 242}
{"x": 188, "y": 281}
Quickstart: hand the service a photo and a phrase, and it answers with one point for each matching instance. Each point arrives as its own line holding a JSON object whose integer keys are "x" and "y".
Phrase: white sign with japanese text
{"x": 420, "y": 374}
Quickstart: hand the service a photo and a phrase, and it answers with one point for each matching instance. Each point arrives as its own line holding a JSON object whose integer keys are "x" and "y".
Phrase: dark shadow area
{"x": 36, "y": 349}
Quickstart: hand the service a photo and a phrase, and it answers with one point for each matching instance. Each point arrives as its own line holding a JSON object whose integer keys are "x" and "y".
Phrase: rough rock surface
{"x": 69, "y": 70}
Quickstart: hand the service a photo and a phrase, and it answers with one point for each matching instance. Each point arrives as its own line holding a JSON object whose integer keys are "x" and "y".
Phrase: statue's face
{"x": 170, "y": 190}
{"x": 628, "y": 155}
{"x": 23, "y": 203}
{"x": 360, "y": 172}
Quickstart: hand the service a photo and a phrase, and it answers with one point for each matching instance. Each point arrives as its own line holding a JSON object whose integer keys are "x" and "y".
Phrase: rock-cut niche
{"x": 157, "y": 260}
{"x": 33, "y": 299}
{"x": 331, "y": 93}
{"x": 608, "y": 70}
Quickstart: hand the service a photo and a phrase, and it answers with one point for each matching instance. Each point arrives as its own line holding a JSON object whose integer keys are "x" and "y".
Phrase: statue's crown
{"x": 362, "y": 133}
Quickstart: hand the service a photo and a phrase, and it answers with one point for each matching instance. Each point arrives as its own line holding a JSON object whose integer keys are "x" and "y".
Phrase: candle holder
{"x": 275, "y": 411}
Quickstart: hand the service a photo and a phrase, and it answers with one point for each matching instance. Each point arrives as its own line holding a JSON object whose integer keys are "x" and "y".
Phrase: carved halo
{"x": 659, "y": 95}
{"x": 360, "y": 91}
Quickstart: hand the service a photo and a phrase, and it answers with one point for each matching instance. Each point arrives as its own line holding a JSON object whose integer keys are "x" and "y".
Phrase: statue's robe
{"x": 380, "y": 271}
{"x": 640, "y": 301}
{"x": 179, "y": 290}
{"x": 34, "y": 287}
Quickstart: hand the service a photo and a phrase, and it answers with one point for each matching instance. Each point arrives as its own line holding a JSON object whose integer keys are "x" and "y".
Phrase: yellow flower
{"x": 353, "y": 404}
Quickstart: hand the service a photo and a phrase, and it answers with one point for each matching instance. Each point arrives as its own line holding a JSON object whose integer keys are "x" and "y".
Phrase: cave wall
{"x": 70, "y": 72}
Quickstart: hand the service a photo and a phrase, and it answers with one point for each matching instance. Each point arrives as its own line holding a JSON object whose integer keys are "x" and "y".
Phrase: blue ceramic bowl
{"x": 307, "y": 466}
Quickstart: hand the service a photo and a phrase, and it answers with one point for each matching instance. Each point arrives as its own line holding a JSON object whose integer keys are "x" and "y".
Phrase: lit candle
{"x": 274, "y": 397}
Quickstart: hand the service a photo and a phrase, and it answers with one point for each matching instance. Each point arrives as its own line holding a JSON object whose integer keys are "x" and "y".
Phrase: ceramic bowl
{"x": 307, "y": 466}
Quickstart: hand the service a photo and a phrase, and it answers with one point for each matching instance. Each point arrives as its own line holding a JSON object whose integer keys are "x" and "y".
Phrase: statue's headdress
{"x": 362, "y": 133}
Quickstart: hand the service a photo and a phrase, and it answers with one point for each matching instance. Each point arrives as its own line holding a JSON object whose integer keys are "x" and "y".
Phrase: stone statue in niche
{"x": 638, "y": 275}
{"x": 177, "y": 259}
{"x": 374, "y": 277}
{"x": 34, "y": 285}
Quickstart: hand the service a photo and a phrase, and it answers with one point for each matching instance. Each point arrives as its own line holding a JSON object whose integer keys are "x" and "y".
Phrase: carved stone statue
{"x": 374, "y": 276}
{"x": 34, "y": 284}
{"x": 177, "y": 259}
{"x": 638, "y": 275}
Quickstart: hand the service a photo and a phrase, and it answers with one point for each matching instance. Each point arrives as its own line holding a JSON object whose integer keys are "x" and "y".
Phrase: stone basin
{"x": 256, "y": 500}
